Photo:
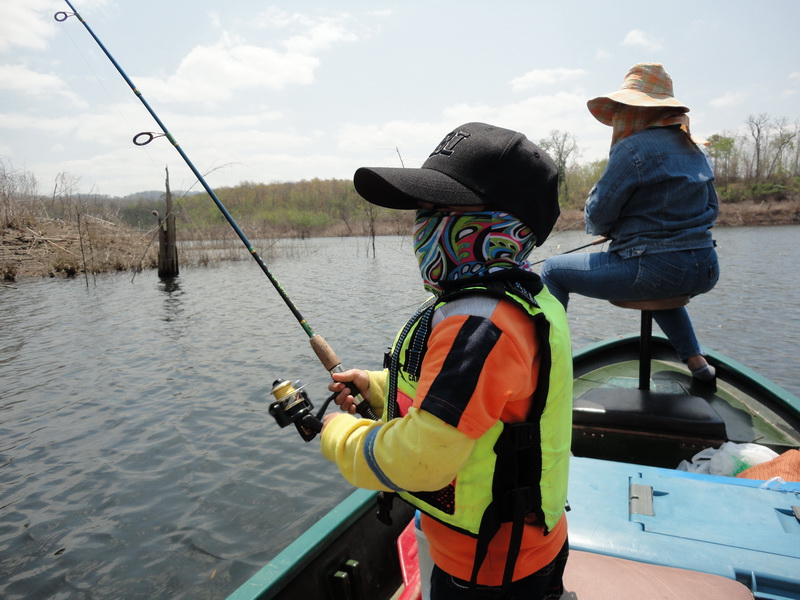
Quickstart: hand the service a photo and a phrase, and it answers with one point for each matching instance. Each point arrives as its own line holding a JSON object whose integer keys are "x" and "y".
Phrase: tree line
{"x": 760, "y": 162}
{"x": 291, "y": 209}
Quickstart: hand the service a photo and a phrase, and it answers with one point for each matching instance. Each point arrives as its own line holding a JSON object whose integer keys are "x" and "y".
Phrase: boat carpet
{"x": 590, "y": 576}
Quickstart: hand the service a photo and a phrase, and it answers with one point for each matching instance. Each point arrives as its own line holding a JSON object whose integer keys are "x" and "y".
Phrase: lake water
{"x": 137, "y": 456}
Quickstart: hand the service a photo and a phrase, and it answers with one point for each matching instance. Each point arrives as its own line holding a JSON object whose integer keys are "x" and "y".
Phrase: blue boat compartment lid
{"x": 722, "y": 525}
{"x": 706, "y": 511}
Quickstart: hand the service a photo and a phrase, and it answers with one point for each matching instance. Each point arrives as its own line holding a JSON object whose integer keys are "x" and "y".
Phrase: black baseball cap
{"x": 475, "y": 164}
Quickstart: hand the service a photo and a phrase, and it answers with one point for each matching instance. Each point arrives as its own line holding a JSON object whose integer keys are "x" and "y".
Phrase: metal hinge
{"x": 641, "y": 499}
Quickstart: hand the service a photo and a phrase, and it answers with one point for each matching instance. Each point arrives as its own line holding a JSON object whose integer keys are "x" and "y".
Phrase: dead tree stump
{"x": 167, "y": 244}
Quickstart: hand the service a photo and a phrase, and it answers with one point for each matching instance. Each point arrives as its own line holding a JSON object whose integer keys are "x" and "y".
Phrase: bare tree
{"x": 563, "y": 149}
{"x": 18, "y": 196}
{"x": 759, "y": 131}
{"x": 781, "y": 143}
{"x": 794, "y": 160}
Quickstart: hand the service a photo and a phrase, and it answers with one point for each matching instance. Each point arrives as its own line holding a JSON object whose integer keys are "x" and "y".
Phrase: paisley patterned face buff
{"x": 456, "y": 245}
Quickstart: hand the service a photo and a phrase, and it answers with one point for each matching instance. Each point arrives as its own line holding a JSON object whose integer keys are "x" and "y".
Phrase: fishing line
{"x": 61, "y": 17}
{"x": 324, "y": 352}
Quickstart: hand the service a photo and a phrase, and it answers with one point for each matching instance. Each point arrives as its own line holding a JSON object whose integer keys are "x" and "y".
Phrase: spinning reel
{"x": 292, "y": 405}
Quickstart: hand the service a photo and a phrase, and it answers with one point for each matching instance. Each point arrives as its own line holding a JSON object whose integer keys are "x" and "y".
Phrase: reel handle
{"x": 308, "y": 427}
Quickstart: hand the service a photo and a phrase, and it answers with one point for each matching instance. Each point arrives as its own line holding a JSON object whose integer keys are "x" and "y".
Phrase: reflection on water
{"x": 173, "y": 306}
{"x": 137, "y": 457}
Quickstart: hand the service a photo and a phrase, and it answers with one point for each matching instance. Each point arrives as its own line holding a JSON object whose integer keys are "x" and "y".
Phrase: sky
{"x": 265, "y": 92}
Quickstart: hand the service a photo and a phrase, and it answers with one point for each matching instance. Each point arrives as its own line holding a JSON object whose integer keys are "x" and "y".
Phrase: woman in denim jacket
{"x": 656, "y": 202}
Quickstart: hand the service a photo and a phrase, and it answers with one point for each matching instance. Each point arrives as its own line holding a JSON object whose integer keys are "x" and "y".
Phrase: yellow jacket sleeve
{"x": 418, "y": 452}
{"x": 377, "y": 391}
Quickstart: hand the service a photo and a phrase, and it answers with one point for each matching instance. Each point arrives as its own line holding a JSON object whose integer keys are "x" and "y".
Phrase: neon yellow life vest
{"x": 537, "y": 474}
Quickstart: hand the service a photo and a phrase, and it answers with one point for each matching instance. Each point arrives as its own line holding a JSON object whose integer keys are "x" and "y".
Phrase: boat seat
{"x": 642, "y": 410}
{"x": 646, "y": 328}
{"x": 590, "y": 576}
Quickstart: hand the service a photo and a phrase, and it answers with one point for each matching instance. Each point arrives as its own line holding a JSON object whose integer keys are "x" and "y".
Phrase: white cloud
{"x": 637, "y": 37}
{"x": 315, "y": 32}
{"x": 276, "y": 18}
{"x": 214, "y": 17}
{"x": 24, "y": 24}
{"x": 547, "y": 108}
{"x": 22, "y": 80}
{"x": 100, "y": 128}
{"x": 729, "y": 99}
{"x": 213, "y": 73}
{"x": 30, "y": 24}
{"x": 33, "y": 126}
{"x": 320, "y": 36}
{"x": 544, "y": 77}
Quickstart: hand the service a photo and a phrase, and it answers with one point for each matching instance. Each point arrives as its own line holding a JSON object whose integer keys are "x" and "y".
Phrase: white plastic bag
{"x": 729, "y": 459}
{"x": 700, "y": 461}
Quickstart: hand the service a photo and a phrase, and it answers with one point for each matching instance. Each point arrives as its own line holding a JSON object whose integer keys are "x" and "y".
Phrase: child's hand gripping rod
{"x": 330, "y": 361}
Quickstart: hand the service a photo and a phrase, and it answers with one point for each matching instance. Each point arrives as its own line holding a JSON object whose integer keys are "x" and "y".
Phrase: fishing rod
{"x": 324, "y": 352}
{"x": 599, "y": 240}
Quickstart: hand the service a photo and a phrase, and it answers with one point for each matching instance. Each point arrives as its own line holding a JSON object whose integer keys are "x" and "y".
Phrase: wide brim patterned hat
{"x": 645, "y": 85}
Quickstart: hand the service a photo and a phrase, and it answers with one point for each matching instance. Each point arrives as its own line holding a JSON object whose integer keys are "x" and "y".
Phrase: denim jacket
{"x": 656, "y": 195}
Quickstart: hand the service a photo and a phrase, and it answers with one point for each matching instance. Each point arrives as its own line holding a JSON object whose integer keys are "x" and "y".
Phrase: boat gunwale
{"x": 290, "y": 562}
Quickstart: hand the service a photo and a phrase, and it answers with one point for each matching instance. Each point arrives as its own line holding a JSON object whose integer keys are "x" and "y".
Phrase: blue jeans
{"x": 607, "y": 276}
{"x": 544, "y": 584}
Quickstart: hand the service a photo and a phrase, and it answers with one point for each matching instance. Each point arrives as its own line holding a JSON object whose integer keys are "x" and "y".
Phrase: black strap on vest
{"x": 513, "y": 497}
{"x": 420, "y": 341}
